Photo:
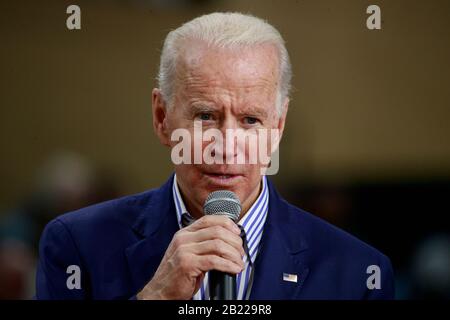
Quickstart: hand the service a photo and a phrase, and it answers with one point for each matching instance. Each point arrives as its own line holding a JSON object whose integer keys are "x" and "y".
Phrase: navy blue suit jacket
{"x": 119, "y": 244}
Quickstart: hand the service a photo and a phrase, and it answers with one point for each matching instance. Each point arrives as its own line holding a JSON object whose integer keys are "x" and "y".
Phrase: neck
{"x": 247, "y": 204}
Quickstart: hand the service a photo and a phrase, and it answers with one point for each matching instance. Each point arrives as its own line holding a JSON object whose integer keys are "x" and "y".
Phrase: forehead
{"x": 241, "y": 73}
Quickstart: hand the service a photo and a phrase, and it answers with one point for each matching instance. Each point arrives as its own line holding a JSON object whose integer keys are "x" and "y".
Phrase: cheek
{"x": 273, "y": 120}
{"x": 252, "y": 180}
{"x": 190, "y": 173}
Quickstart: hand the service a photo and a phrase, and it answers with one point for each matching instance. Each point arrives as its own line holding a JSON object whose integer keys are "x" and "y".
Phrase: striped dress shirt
{"x": 253, "y": 223}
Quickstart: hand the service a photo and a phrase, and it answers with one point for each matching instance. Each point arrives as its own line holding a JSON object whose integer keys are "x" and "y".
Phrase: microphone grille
{"x": 223, "y": 202}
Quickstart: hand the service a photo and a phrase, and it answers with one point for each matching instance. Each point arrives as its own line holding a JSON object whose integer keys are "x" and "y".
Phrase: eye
{"x": 205, "y": 116}
{"x": 251, "y": 120}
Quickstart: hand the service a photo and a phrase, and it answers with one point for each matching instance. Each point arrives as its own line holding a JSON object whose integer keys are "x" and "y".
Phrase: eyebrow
{"x": 202, "y": 107}
{"x": 255, "y": 111}
{"x": 206, "y": 107}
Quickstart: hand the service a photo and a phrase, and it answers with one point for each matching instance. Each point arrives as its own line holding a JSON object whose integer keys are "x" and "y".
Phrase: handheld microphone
{"x": 222, "y": 286}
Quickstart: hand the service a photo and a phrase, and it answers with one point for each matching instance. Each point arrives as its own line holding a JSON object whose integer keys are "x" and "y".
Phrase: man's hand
{"x": 210, "y": 243}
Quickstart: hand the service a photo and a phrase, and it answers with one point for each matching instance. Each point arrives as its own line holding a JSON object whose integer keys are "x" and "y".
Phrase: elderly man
{"x": 220, "y": 71}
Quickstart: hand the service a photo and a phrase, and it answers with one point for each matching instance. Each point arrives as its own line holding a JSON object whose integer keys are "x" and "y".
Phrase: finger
{"x": 213, "y": 262}
{"x": 215, "y": 232}
{"x": 211, "y": 220}
{"x": 217, "y": 247}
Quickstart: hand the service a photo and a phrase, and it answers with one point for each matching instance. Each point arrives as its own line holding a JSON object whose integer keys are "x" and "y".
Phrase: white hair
{"x": 223, "y": 30}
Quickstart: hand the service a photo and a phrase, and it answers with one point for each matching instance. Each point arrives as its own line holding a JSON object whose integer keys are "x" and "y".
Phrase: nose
{"x": 232, "y": 147}
{"x": 228, "y": 122}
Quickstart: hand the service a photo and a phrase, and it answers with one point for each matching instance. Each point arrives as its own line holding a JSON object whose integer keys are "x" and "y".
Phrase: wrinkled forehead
{"x": 241, "y": 68}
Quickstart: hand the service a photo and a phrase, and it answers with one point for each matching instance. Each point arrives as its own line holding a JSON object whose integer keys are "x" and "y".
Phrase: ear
{"x": 275, "y": 140}
{"x": 282, "y": 119}
{"x": 159, "y": 112}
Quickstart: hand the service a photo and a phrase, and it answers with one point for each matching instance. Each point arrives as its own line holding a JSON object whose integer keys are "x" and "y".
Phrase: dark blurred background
{"x": 366, "y": 145}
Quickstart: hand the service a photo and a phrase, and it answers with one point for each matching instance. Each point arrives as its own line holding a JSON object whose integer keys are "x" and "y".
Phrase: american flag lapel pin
{"x": 290, "y": 277}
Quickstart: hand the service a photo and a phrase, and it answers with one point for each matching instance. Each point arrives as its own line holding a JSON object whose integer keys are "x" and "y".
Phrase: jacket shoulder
{"x": 106, "y": 227}
{"x": 123, "y": 210}
{"x": 330, "y": 237}
{"x": 343, "y": 258}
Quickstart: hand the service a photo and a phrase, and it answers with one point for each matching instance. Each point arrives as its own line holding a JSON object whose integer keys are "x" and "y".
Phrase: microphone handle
{"x": 222, "y": 286}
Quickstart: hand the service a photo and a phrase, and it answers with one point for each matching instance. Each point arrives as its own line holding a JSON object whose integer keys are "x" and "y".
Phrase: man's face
{"x": 222, "y": 89}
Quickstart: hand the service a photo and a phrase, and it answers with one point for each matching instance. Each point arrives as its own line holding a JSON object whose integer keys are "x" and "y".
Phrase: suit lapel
{"x": 155, "y": 228}
{"x": 283, "y": 251}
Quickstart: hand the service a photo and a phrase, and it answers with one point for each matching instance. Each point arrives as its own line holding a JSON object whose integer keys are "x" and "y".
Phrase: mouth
{"x": 222, "y": 179}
